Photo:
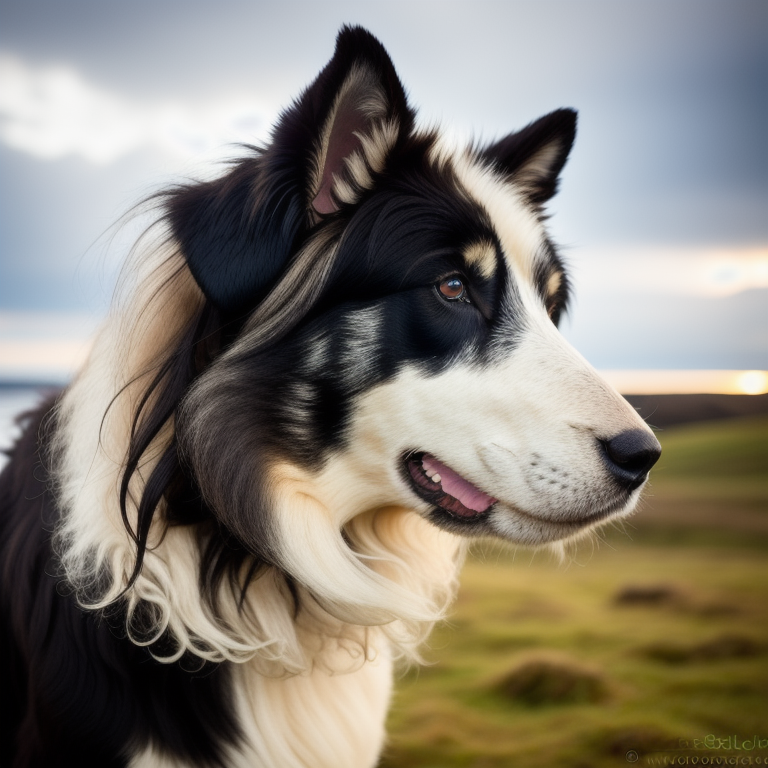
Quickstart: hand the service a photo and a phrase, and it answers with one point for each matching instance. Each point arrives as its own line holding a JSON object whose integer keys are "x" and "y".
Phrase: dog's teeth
{"x": 436, "y": 478}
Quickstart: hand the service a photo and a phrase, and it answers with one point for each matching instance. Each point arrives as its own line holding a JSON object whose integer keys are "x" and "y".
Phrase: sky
{"x": 663, "y": 209}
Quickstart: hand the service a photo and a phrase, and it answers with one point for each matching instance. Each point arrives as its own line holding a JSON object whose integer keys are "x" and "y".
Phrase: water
{"x": 13, "y": 401}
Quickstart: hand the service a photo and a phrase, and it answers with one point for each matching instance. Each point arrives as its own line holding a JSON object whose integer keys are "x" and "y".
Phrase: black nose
{"x": 630, "y": 456}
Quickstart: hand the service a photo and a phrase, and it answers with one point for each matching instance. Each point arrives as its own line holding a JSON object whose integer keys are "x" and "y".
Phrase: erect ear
{"x": 360, "y": 106}
{"x": 239, "y": 232}
{"x": 534, "y": 156}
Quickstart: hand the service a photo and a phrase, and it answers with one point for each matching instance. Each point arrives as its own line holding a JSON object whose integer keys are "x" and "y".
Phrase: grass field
{"x": 648, "y": 645}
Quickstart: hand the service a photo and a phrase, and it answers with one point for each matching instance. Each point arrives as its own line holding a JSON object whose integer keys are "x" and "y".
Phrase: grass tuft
{"x": 654, "y": 595}
{"x": 543, "y": 678}
{"x": 722, "y": 647}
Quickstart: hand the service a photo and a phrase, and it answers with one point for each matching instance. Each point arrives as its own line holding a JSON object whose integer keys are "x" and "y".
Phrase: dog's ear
{"x": 534, "y": 156}
{"x": 237, "y": 233}
{"x": 359, "y": 104}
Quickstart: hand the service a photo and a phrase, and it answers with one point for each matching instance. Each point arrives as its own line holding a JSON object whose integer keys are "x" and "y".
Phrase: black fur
{"x": 79, "y": 691}
{"x": 238, "y": 233}
{"x": 513, "y": 152}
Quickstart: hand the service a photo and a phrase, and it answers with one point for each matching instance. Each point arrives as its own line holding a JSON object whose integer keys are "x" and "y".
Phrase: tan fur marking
{"x": 378, "y": 142}
{"x": 361, "y": 164}
{"x": 554, "y": 282}
{"x": 516, "y": 224}
{"x": 482, "y": 256}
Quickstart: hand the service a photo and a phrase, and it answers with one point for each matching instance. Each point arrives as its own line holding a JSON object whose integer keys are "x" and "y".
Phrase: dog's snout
{"x": 630, "y": 456}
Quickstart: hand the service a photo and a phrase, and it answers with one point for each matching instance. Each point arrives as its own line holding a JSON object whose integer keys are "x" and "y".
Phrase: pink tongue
{"x": 456, "y": 486}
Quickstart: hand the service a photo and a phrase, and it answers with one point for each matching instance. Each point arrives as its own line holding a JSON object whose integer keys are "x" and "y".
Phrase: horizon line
{"x": 627, "y": 381}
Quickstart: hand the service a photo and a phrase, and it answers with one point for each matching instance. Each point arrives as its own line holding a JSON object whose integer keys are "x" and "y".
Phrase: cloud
{"x": 636, "y": 329}
{"x": 53, "y": 112}
{"x": 684, "y": 271}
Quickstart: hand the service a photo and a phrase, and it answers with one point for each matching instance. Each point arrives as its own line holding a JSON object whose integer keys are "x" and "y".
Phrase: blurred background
{"x": 651, "y": 637}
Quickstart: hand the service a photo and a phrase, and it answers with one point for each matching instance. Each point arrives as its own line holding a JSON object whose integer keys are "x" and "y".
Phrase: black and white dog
{"x": 330, "y": 369}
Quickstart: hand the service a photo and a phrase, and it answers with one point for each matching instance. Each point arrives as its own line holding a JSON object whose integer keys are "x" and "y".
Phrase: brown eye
{"x": 452, "y": 288}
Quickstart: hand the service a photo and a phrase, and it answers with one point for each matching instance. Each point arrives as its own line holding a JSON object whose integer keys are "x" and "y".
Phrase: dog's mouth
{"x": 440, "y": 486}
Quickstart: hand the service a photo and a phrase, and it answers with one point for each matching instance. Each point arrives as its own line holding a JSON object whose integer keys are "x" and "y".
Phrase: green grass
{"x": 649, "y": 635}
{"x": 726, "y": 460}
{"x": 710, "y": 487}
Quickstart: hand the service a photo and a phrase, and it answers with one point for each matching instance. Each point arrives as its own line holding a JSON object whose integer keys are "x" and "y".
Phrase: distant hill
{"x": 667, "y": 410}
{"x": 658, "y": 410}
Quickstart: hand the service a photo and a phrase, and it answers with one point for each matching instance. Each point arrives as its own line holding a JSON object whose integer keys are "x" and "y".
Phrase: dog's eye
{"x": 452, "y": 288}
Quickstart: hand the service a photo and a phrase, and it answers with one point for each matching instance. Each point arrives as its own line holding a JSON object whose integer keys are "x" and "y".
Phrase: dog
{"x": 327, "y": 372}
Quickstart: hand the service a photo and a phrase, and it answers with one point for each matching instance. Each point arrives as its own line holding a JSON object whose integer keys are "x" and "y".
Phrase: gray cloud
{"x": 671, "y": 146}
{"x": 626, "y": 330}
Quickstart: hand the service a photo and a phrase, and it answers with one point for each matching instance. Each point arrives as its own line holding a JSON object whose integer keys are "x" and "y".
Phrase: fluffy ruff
{"x": 328, "y": 370}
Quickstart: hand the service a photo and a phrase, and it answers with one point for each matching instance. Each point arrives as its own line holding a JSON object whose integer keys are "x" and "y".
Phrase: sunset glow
{"x": 669, "y": 382}
{"x": 753, "y": 382}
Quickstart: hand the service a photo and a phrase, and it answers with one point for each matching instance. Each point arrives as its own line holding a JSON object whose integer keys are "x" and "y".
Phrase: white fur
{"x": 313, "y": 720}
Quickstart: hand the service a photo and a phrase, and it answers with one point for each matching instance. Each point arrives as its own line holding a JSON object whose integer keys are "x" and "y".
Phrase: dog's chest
{"x": 317, "y": 720}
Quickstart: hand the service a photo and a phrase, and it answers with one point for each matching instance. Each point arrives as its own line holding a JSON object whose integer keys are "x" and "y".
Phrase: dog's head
{"x": 377, "y": 330}
{"x": 402, "y": 344}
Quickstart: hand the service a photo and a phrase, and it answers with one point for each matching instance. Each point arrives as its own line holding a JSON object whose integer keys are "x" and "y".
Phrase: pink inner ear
{"x": 341, "y": 144}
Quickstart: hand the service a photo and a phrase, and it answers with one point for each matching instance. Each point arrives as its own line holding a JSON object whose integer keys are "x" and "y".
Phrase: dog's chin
{"x": 520, "y": 527}
{"x": 460, "y": 506}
